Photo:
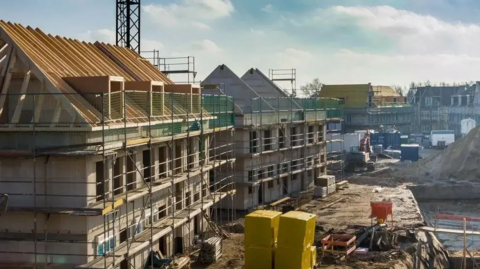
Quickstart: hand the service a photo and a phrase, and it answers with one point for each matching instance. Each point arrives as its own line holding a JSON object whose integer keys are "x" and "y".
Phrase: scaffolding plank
{"x": 160, "y": 229}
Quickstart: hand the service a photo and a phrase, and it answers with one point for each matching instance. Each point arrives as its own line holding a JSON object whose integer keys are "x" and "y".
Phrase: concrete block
{"x": 325, "y": 180}
{"x": 320, "y": 192}
{"x": 331, "y": 189}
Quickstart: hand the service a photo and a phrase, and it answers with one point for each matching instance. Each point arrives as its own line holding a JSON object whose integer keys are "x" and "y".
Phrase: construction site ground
{"x": 345, "y": 208}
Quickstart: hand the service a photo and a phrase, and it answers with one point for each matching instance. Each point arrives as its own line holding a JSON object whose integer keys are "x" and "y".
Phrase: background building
{"x": 279, "y": 141}
{"x": 370, "y": 107}
{"x": 442, "y": 107}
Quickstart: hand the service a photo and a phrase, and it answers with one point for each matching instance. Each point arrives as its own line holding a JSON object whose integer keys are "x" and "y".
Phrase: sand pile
{"x": 459, "y": 162}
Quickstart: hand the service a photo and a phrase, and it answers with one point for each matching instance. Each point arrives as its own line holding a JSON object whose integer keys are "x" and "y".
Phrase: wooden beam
{"x": 4, "y": 50}
{"x": 56, "y": 113}
{"x": 18, "y": 70}
{"x": 36, "y": 70}
{"x": 19, "y": 107}
{"x": 39, "y": 105}
{"x": 3, "y": 71}
{"x": 6, "y": 82}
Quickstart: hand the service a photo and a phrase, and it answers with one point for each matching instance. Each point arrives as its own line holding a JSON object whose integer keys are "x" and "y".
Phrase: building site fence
{"x": 136, "y": 160}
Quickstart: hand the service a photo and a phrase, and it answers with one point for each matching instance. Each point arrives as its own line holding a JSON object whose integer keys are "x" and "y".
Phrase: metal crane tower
{"x": 128, "y": 24}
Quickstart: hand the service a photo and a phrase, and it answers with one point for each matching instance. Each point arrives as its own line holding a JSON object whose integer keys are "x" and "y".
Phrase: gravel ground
{"x": 353, "y": 209}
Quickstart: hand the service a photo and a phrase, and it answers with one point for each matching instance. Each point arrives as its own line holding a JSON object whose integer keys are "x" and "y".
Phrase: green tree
{"x": 312, "y": 88}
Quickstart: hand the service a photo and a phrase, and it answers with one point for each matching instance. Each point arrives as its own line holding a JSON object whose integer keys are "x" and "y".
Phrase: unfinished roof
{"x": 139, "y": 68}
{"x": 71, "y": 74}
{"x": 355, "y": 95}
{"x": 384, "y": 91}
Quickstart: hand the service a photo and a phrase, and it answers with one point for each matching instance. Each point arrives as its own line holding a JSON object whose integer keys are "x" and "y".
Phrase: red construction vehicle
{"x": 358, "y": 159}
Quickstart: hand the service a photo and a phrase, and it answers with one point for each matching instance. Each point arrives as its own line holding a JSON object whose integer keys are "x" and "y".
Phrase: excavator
{"x": 359, "y": 158}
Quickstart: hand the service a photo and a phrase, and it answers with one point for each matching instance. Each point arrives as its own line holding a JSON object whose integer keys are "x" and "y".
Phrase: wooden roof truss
{"x": 54, "y": 83}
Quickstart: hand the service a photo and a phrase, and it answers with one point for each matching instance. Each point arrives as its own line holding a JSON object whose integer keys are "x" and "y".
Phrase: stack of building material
{"x": 211, "y": 250}
{"x": 295, "y": 241}
{"x": 324, "y": 185}
{"x": 261, "y": 230}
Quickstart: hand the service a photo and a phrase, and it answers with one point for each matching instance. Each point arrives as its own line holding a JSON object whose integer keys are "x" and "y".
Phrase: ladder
{"x": 217, "y": 229}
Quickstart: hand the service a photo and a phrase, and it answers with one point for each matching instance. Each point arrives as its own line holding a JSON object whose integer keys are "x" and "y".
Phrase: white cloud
{"x": 199, "y": 25}
{"x": 257, "y": 32}
{"x": 109, "y": 36}
{"x": 150, "y": 45}
{"x": 420, "y": 47}
{"x": 102, "y": 35}
{"x": 415, "y": 33}
{"x": 205, "y": 45}
{"x": 188, "y": 13}
{"x": 268, "y": 8}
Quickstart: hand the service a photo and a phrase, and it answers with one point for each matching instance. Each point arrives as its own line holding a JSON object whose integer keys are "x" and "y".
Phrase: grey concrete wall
{"x": 28, "y": 248}
{"x": 61, "y": 181}
{"x": 56, "y": 223}
{"x": 76, "y": 176}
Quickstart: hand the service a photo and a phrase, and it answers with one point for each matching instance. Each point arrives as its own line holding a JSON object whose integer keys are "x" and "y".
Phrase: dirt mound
{"x": 460, "y": 161}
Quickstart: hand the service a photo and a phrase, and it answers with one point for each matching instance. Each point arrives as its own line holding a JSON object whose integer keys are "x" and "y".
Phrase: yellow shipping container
{"x": 259, "y": 258}
{"x": 287, "y": 258}
{"x": 261, "y": 228}
{"x": 296, "y": 230}
{"x": 313, "y": 256}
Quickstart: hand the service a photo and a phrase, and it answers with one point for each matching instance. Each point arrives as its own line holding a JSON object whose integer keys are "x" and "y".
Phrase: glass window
{"x": 100, "y": 249}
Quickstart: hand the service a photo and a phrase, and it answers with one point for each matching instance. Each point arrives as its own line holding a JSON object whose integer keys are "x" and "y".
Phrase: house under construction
{"x": 279, "y": 141}
{"x": 103, "y": 157}
{"x": 371, "y": 107}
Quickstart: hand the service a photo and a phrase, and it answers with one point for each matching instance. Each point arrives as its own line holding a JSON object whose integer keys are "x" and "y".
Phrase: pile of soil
{"x": 458, "y": 162}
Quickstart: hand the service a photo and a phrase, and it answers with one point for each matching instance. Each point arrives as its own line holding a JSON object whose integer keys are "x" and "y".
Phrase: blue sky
{"x": 339, "y": 41}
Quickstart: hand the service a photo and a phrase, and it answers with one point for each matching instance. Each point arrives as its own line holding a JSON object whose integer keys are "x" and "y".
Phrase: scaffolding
{"x": 335, "y": 133}
{"x": 181, "y": 67}
{"x": 289, "y": 75}
{"x": 105, "y": 189}
{"x": 284, "y": 149}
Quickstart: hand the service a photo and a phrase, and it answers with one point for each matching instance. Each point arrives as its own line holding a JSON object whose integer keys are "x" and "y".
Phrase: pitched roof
{"x": 384, "y": 91}
{"x": 230, "y": 84}
{"x": 247, "y": 77}
{"x": 355, "y": 95}
{"x": 73, "y": 68}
